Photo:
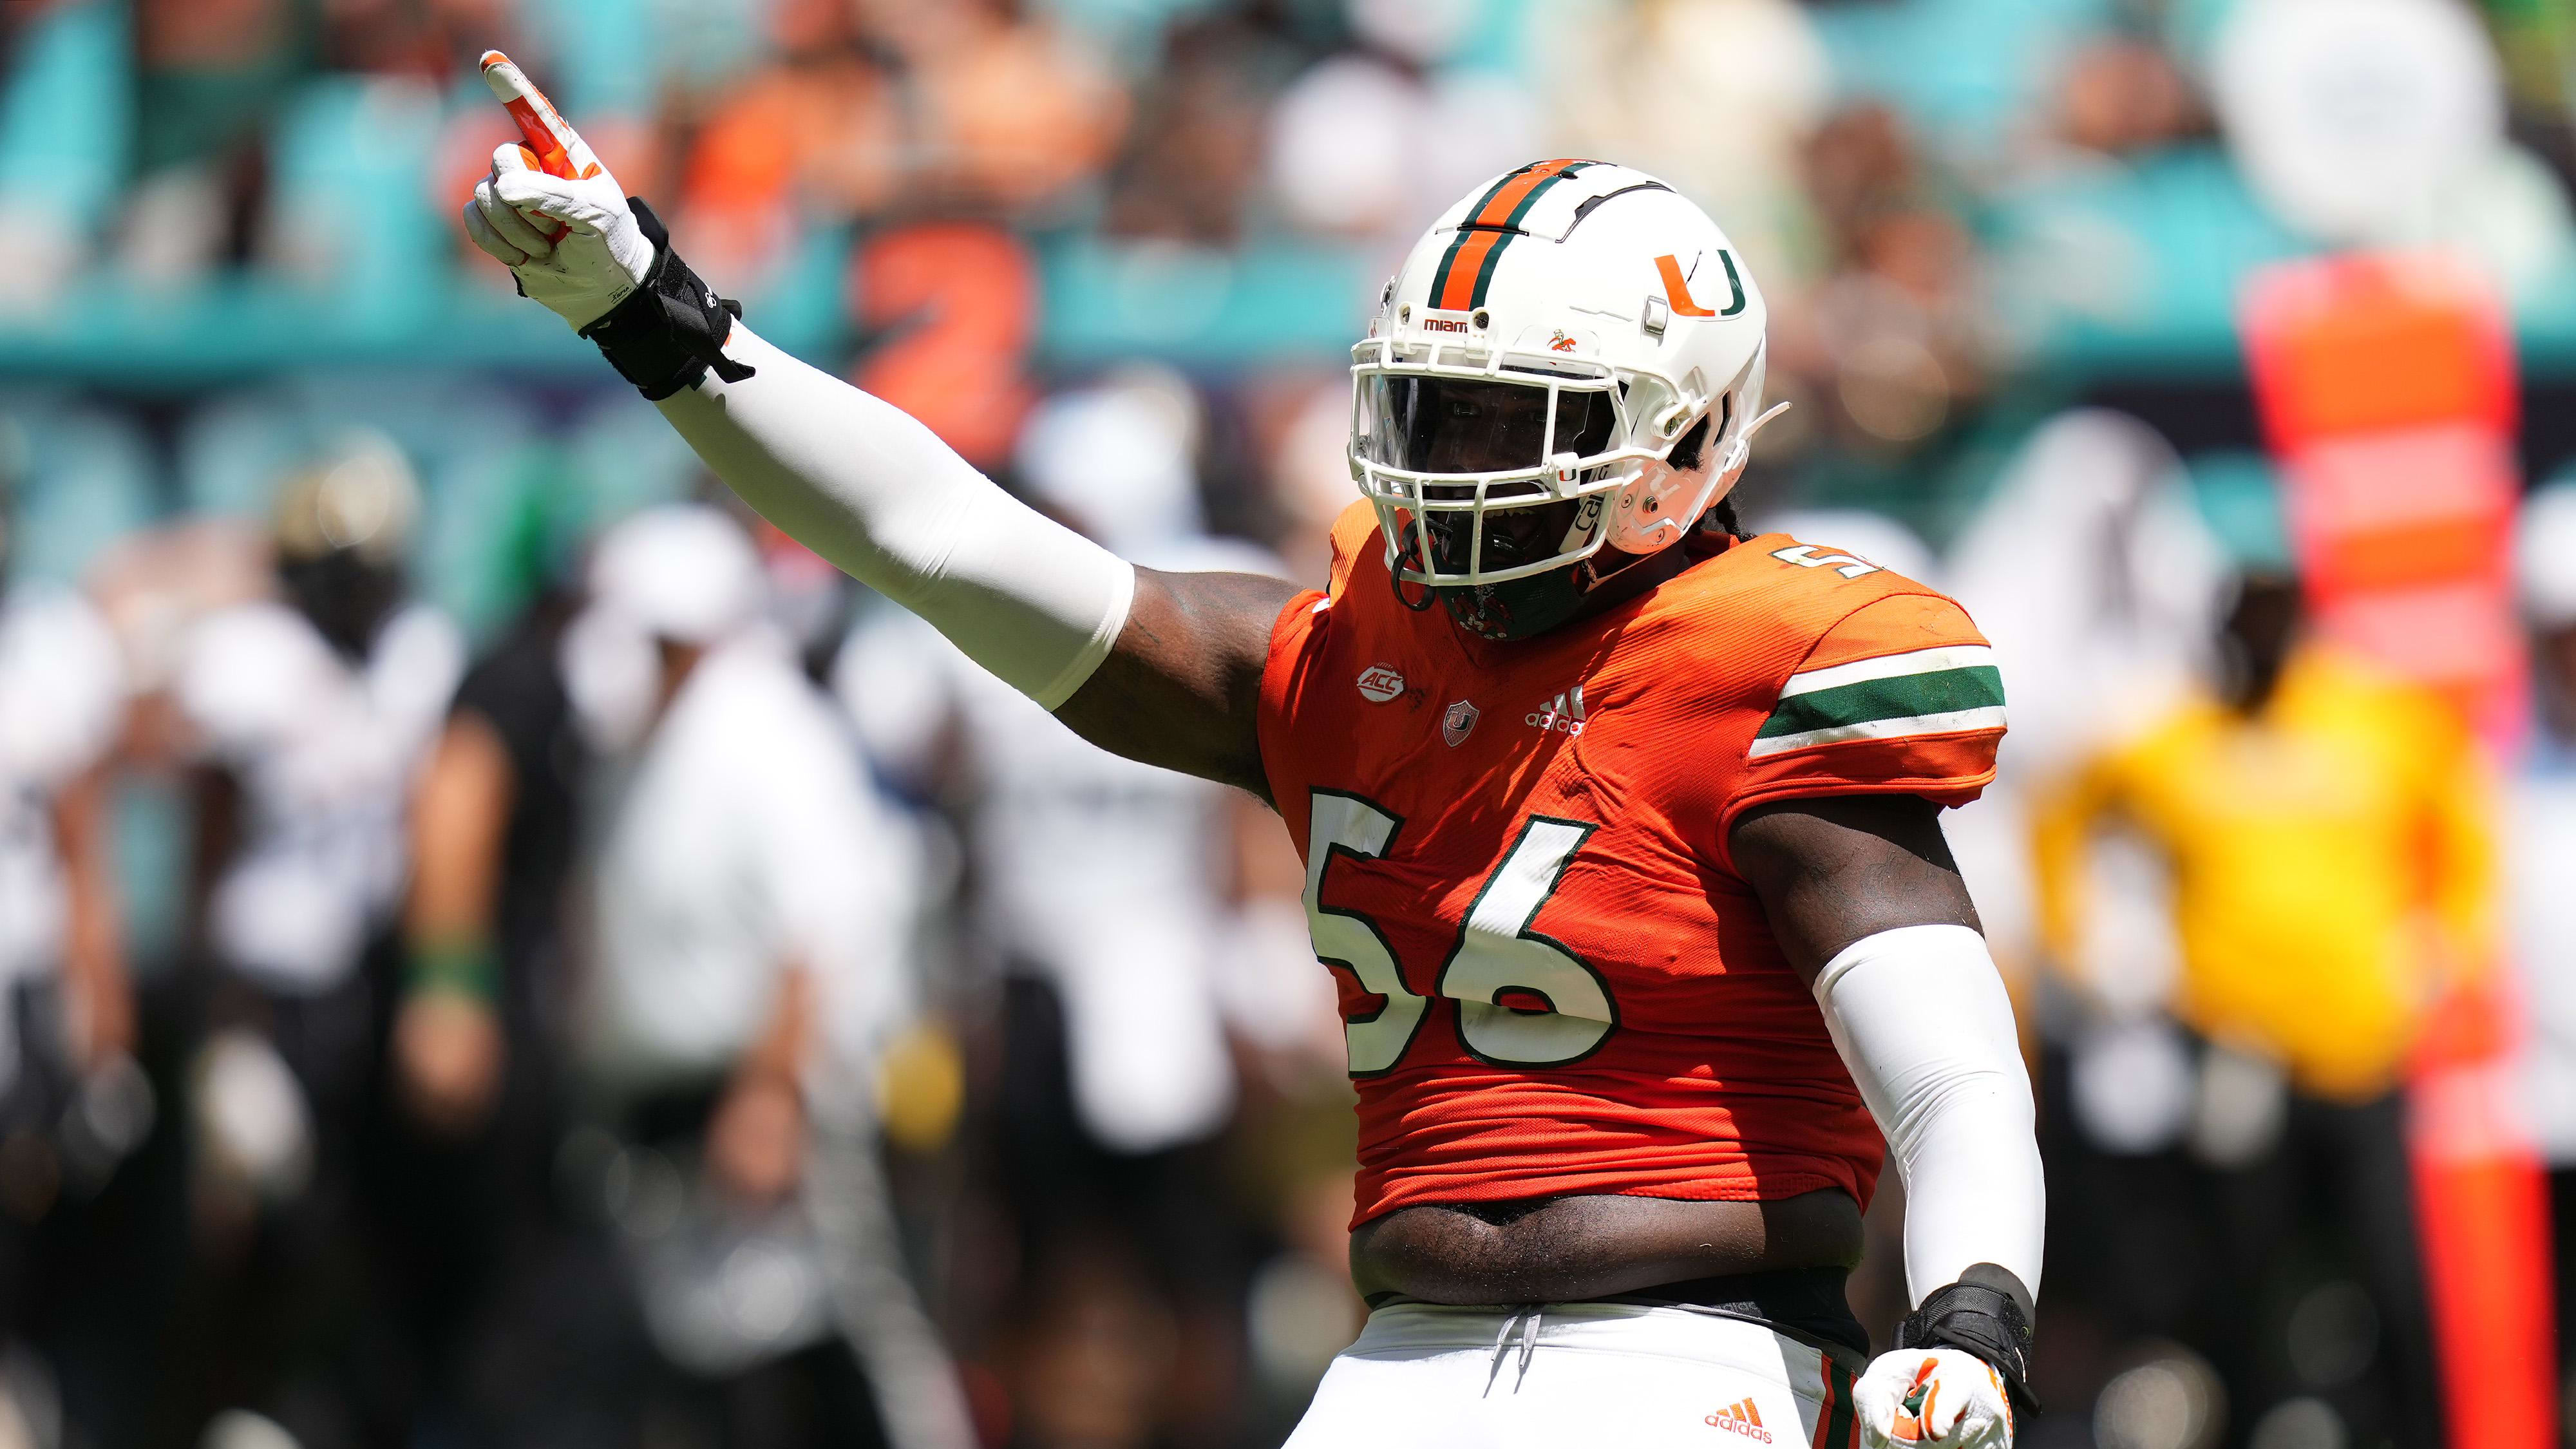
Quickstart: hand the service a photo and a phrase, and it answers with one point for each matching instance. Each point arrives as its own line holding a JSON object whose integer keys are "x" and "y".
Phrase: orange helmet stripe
{"x": 1504, "y": 203}
{"x": 1467, "y": 268}
{"x": 1463, "y": 266}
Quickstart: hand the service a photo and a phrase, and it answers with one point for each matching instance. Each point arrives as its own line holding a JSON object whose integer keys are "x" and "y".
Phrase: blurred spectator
{"x": 66, "y": 1000}
{"x": 482, "y": 1005}
{"x": 1716, "y": 97}
{"x": 436, "y": 40}
{"x": 2425, "y": 163}
{"x": 822, "y": 124}
{"x": 953, "y": 307}
{"x": 448, "y": 1051}
{"x": 751, "y": 932}
{"x": 1193, "y": 159}
{"x": 2089, "y": 569}
{"x": 1898, "y": 332}
{"x": 1370, "y": 144}
{"x": 2331, "y": 868}
{"x": 1101, "y": 886}
{"x": 310, "y": 714}
{"x": 1302, "y": 428}
{"x": 1013, "y": 110}
{"x": 1114, "y": 462}
{"x": 313, "y": 711}
{"x": 210, "y": 77}
{"x": 893, "y": 109}
{"x": 72, "y": 1101}
{"x": 2124, "y": 97}
{"x": 2540, "y": 854}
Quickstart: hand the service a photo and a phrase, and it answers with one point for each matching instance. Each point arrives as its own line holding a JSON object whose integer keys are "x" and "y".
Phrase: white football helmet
{"x": 1530, "y": 369}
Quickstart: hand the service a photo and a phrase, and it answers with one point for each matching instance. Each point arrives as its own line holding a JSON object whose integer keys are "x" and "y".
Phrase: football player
{"x": 1621, "y": 830}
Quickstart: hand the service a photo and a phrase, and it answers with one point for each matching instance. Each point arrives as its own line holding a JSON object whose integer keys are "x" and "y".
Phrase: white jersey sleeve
{"x": 62, "y": 686}
{"x": 896, "y": 680}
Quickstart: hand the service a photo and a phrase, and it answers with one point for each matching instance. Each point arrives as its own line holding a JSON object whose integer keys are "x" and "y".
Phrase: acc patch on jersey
{"x": 1380, "y": 683}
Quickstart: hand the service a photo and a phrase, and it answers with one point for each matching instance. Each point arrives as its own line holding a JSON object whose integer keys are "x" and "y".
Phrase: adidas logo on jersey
{"x": 1563, "y": 714}
{"x": 1742, "y": 1419}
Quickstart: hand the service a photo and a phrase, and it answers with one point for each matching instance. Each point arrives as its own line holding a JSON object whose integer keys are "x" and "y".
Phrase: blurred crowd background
{"x": 500, "y": 947}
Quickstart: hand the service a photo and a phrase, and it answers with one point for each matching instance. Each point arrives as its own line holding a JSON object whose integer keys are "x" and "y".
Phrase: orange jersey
{"x": 1516, "y": 864}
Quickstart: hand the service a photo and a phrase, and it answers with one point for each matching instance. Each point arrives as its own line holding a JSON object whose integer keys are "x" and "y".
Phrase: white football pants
{"x": 1561, "y": 1375}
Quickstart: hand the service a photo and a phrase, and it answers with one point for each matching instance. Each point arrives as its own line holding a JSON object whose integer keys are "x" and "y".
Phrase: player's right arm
{"x": 1163, "y": 668}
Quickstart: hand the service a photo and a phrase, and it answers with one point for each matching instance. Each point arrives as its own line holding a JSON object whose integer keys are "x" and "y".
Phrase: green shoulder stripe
{"x": 1908, "y": 696}
{"x": 1946, "y": 690}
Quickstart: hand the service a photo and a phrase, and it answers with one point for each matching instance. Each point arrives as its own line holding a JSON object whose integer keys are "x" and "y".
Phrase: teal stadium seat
{"x": 88, "y": 482}
{"x": 349, "y": 161}
{"x": 1997, "y": 60}
{"x": 66, "y": 115}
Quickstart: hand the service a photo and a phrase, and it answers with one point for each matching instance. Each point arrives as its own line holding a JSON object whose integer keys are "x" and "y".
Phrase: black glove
{"x": 670, "y": 331}
{"x": 1986, "y": 1313}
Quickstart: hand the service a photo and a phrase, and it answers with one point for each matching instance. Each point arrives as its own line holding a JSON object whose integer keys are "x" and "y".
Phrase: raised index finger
{"x": 560, "y": 150}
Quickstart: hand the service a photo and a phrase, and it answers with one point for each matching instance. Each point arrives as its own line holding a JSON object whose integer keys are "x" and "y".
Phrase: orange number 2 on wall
{"x": 961, "y": 302}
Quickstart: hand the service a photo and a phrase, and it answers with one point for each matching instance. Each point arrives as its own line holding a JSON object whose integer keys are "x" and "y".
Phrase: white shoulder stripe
{"x": 1959, "y": 721}
{"x": 1889, "y": 666}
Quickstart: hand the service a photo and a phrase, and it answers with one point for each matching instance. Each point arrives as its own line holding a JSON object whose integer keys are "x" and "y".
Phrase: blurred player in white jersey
{"x": 1100, "y": 887}
{"x": 62, "y": 978}
{"x": 1098, "y": 876}
{"x": 67, "y": 1027}
{"x": 751, "y": 925}
{"x": 309, "y": 713}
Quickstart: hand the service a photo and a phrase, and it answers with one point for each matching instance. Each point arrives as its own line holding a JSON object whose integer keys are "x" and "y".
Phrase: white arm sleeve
{"x": 1921, "y": 1018}
{"x": 861, "y": 483}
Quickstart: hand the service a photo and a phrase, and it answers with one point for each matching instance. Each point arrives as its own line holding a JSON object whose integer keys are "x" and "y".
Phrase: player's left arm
{"x": 1867, "y": 902}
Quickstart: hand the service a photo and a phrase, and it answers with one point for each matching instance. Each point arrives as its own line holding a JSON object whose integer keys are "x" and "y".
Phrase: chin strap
{"x": 1395, "y": 577}
{"x": 1981, "y": 1314}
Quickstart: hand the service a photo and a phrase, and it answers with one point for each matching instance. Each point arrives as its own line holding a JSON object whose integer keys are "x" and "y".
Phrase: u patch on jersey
{"x": 1455, "y": 725}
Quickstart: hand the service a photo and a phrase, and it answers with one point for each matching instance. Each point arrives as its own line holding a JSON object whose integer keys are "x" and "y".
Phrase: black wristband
{"x": 1981, "y": 1314}
{"x": 670, "y": 331}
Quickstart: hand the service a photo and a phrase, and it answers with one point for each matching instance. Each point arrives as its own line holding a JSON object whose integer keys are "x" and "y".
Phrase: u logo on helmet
{"x": 1677, "y": 288}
